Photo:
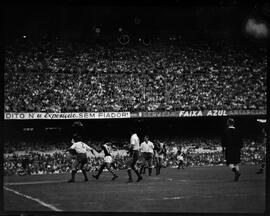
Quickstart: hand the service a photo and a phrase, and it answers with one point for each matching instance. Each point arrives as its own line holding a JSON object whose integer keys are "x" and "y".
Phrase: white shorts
{"x": 180, "y": 158}
{"x": 108, "y": 159}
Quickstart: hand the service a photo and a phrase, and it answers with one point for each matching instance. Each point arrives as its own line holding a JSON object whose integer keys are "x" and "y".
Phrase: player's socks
{"x": 96, "y": 176}
{"x": 114, "y": 177}
{"x": 137, "y": 173}
{"x": 159, "y": 168}
{"x": 129, "y": 175}
{"x": 237, "y": 175}
{"x": 260, "y": 171}
{"x": 73, "y": 173}
{"x": 141, "y": 169}
{"x": 150, "y": 171}
{"x": 139, "y": 178}
{"x": 85, "y": 175}
{"x": 100, "y": 171}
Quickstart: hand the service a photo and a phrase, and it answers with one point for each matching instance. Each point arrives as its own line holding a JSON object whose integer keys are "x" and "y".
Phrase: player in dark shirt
{"x": 160, "y": 153}
{"x": 106, "y": 148}
{"x": 231, "y": 145}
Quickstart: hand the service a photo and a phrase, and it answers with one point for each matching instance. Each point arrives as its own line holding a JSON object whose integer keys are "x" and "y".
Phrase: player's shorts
{"x": 149, "y": 156}
{"x": 82, "y": 157}
{"x": 133, "y": 160}
{"x": 144, "y": 155}
{"x": 108, "y": 159}
{"x": 80, "y": 162}
{"x": 180, "y": 158}
{"x": 135, "y": 155}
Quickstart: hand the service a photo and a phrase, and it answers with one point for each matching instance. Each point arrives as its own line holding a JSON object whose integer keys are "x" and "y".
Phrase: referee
{"x": 231, "y": 146}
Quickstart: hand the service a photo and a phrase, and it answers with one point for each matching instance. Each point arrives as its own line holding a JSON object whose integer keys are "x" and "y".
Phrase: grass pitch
{"x": 195, "y": 189}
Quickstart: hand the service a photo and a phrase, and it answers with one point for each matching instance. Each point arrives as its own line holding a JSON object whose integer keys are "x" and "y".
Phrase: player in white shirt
{"x": 134, "y": 153}
{"x": 107, "y": 149}
{"x": 148, "y": 148}
{"x": 78, "y": 151}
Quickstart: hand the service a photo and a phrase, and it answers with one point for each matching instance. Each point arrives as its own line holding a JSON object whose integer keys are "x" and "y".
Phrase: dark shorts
{"x": 149, "y": 156}
{"x": 134, "y": 158}
{"x": 135, "y": 155}
{"x": 232, "y": 156}
{"x": 80, "y": 161}
{"x": 144, "y": 155}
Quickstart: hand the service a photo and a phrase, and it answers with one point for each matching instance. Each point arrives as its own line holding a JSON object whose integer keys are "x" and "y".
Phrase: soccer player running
{"x": 134, "y": 153}
{"x": 160, "y": 152}
{"x": 148, "y": 147}
{"x": 231, "y": 146}
{"x": 78, "y": 151}
{"x": 107, "y": 149}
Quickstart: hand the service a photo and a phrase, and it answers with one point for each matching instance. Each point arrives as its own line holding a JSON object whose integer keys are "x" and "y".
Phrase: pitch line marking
{"x": 34, "y": 199}
{"x": 33, "y": 182}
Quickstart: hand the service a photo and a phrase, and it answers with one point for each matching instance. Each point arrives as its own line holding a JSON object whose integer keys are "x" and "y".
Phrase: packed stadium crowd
{"x": 37, "y": 162}
{"x": 62, "y": 76}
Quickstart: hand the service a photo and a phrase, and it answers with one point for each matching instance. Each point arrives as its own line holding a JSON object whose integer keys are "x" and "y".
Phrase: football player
{"x": 107, "y": 149}
{"x": 78, "y": 152}
{"x": 134, "y": 156}
{"x": 148, "y": 147}
{"x": 160, "y": 153}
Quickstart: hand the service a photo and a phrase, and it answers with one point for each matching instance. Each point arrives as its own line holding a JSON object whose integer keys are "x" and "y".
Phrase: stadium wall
{"x": 107, "y": 129}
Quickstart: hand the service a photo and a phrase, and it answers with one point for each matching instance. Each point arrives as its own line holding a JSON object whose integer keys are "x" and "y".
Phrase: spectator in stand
{"x": 62, "y": 76}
